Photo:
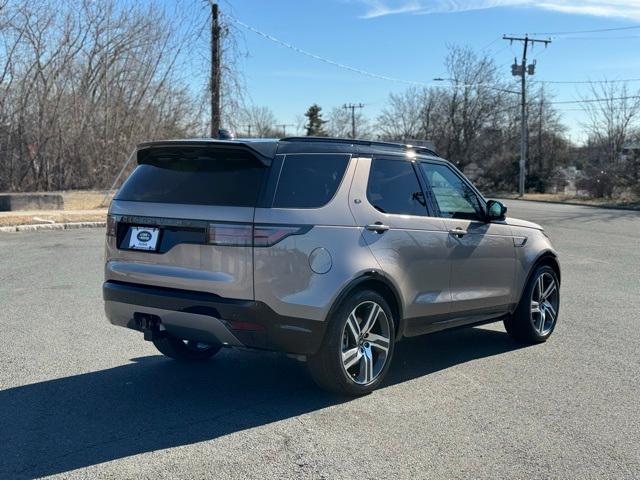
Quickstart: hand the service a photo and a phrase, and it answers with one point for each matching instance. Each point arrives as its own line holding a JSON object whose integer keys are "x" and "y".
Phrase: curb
{"x": 52, "y": 226}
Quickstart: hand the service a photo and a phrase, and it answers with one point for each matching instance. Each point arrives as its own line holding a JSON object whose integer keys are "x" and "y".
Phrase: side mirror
{"x": 496, "y": 210}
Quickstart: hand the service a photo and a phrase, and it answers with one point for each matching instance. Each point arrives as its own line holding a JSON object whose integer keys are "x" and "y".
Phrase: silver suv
{"x": 330, "y": 250}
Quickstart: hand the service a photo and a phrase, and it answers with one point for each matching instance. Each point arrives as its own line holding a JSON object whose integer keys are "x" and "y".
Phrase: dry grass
{"x": 85, "y": 199}
{"x": 79, "y": 206}
{"x": 33, "y": 217}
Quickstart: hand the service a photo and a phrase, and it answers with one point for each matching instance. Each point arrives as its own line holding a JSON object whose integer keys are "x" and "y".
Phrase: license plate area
{"x": 172, "y": 232}
{"x": 143, "y": 238}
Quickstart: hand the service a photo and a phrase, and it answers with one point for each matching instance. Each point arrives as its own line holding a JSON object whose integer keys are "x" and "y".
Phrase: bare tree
{"x": 477, "y": 93}
{"x": 613, "y": 114}
{"x": 548, "y": 145}
{"x": 81, "y": 83}
{"x": 339, "y": 124}
{"x": 611, "y": 117}
{"x": 401, "y": 118}
{"x": 257, "y": 121}
{"x": 473, "y": 122}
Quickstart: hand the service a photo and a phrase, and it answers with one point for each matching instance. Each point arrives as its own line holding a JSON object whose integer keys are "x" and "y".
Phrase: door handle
{"x": 458, "y": 232}
{"x": 377, "y": 227}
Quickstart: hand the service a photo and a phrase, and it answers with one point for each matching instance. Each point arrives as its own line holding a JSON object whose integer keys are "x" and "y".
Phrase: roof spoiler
{"x": 264, "y": 151}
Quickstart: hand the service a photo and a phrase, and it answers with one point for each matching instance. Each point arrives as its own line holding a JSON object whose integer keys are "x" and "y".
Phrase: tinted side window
{"x": 454, "y": 197}
{"x": 309, "y": 181}
{"x": 393, "y": 188}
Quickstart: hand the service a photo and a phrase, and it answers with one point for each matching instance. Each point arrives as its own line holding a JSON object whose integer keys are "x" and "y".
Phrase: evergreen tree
{"x": 315, "y": 123}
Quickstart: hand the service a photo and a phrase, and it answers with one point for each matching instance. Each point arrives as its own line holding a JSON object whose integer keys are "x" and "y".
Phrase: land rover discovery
{"x": 327, "y": 249}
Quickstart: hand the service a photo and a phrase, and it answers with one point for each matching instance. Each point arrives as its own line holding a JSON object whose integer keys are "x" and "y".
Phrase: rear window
{"x": 195, "y": 177}
{"x": 309, "y": 180}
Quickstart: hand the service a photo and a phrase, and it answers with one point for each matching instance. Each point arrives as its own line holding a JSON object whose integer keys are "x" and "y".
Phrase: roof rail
{"x": 371, "y": 143}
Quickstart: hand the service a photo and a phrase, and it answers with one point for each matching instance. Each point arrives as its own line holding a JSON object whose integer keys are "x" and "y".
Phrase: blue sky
{"x": 407, "y": 39}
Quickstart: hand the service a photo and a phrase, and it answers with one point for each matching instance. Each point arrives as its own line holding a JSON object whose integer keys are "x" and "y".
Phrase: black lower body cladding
{"x": 253, "y": 323}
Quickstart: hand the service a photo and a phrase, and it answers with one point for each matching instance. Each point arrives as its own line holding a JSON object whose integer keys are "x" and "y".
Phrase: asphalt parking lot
{"x": 80, "y": 398}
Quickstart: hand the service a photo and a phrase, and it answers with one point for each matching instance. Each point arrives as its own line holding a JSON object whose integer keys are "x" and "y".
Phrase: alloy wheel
{"x": 544, "y": 304}
{"x": 365, "y": 342}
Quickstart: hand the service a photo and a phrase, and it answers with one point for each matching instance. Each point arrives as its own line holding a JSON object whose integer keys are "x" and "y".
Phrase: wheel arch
{"x": 373, "y": 280}
{"x": 547, "y": 257}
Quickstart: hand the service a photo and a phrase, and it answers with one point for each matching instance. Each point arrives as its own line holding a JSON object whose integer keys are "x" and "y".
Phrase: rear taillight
{"x": 112, "y": 226}
{"x": 231, "y": 235}
{"x": 267, "y": 235}
{"x": 238, "y": 235}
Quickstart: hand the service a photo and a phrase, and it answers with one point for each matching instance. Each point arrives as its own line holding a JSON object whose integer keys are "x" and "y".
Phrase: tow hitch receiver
{"x": 150, "y": 325}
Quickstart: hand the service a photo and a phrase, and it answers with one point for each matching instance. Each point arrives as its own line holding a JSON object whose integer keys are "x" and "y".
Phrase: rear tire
{"x": 185, "y": 350}
{"x": 536, "y": 316}
{"x": 358, "y": 346}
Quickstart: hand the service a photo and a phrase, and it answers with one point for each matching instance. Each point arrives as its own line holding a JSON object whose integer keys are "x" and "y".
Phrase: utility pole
{"x": 522, "y": 71}
{"x": 352, "y": 107}
{"x": 284, "y": 127}
{"x": 540, "y": 162}
{"x": 215, "y": 70}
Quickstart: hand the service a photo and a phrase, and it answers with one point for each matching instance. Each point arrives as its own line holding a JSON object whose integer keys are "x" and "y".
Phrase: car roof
{"x": 349, "y": 145}
{"x": 266, "y": 148}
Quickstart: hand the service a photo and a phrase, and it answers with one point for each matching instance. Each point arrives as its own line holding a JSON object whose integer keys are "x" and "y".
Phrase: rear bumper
{"x": 209, "y": 318}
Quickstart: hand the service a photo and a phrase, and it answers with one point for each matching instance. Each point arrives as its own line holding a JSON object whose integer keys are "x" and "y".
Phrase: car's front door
{"x": 482, "y": 253}
{"x": 410, "y": 245}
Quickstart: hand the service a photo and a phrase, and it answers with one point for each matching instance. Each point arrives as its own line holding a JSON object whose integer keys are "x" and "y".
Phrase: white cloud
{"x": 629, "y": 9}
{"x": 380, "y": 8}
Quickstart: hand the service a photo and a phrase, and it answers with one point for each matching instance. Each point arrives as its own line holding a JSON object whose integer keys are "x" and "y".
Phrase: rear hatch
{"x": 184, "y": 219}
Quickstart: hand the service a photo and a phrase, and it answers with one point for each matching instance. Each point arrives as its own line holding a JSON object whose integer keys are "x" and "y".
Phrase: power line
{"x": 456, "y": 83}
{"x": 587, "y": 82}
{"x": 482, "y": 49}
{"x": 343, "y": 65}
{"x": 538, "y": 55}
{"x": 411, "y": 82}
{"x": 575, "y": 102}
{"x": 595, "y": 100}
{"x": 598, "y": 30}
{"x": 323, "y": 59}
{"x": 623, "y": 37}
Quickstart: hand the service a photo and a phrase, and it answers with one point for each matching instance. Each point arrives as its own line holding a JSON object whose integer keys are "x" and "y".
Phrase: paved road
{"x": 80, "y": 398}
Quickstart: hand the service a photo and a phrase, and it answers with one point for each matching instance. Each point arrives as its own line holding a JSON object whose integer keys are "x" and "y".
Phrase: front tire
{"x": 536, "y": 316}
{"x": 185, "y": 350}
{"x": 358, "y": 346}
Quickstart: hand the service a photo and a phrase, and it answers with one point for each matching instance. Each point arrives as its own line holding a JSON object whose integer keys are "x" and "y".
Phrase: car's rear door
{"x": 197, "y": 206}
{"x": 409, "y": 244}
{"x": 482, "y": 253}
